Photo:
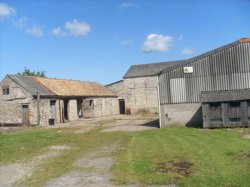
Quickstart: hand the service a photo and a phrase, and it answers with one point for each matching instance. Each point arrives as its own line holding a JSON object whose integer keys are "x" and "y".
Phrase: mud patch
{"x": 59, "y": 147}
{"x": 247, "y": 136}
{"x": 182, "y": 168}
{"x": 244, "y": 156}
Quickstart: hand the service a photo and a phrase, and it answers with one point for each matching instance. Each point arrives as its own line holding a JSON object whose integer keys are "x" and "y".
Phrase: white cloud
{"x": 6, "y": 11}
{"x": 187, "y": 51}
{"x": 21, "y": 23}
{"x": 127, "y": 5}
{"x": 157, "y": 43}
{"x": 77, "y": 28}
{"x": 35, "y": 30}
{"x": 58, "y": 32}
{"x": 127, "y": 42}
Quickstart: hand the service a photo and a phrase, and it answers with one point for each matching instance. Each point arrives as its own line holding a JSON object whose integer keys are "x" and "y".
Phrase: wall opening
{"x": 65, "y": 109}
{"x": 122, "y": 106}
{"x": 52, "y": 112}
{"x": 5, "y": 90}
{"x": 88, "y": 106}
{"x": 79, "y": 109}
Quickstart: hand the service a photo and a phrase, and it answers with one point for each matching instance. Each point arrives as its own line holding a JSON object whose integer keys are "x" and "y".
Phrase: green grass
{"x": 216, "y": 155}
{"x": 219, "y": 156}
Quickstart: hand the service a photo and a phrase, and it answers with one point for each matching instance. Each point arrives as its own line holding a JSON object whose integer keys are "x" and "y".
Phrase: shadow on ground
{"x": 154, "y": 123}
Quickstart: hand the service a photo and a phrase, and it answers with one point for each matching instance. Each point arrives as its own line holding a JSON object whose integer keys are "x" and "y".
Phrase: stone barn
{"x": 212, "y": 89}
{"x": 138, "y": 89}
{"x": 36, "y": 100}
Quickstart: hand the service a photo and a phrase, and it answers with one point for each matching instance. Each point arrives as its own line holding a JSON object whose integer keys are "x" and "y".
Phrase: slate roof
{"x": 61, "y": 87}
{"x": 28, "y": 83}
{"x": 153, "y": 69}
{"x": 144, "y": 70}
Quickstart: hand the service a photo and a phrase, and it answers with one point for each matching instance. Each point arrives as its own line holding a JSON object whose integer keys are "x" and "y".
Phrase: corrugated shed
{"x": 71, "y": 88}
{"x": 153, "y": 69}
{"x": 222, "y": 69}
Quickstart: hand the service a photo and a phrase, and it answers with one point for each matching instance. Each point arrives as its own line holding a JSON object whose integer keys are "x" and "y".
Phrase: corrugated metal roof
{"x": 156, "y": 68}
{"x": 30, "y": 85}
{"x": 150, "y": 69}
{"x": 61, "y": 87}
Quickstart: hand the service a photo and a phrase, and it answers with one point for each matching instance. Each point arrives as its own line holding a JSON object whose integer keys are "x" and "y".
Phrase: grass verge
{"x": 184, "y": 156}
{"x": 179, "y": 155}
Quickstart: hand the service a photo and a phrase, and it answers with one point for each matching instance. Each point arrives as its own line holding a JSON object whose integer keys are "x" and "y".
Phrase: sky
{"x": 98, "y": 40}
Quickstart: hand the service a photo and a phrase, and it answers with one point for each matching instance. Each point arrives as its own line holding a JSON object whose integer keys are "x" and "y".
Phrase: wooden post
{"x": 38, "y": 108}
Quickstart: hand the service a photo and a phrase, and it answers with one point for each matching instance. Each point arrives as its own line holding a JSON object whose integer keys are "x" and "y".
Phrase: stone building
{"x": 36, "y": 100}
{"x": 138, "y": 89}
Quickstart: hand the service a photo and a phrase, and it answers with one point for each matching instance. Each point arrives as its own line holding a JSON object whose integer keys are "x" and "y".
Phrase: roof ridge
{"x": 55, "y": 78}
{"x": 154, "y": 63}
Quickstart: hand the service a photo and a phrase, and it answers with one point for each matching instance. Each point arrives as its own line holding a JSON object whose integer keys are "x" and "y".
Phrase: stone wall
{"x": 105, "y": 107}
{"x": 11, "y": 105}
{"x": 181, "y": 114}
{"x": 118, "y": 88}
{"x": 141, "y": 94}
{"x": 72, "y": 110}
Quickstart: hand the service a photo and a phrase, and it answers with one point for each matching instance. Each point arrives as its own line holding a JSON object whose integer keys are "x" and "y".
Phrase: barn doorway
{"x": 52, "y": 112}
{"x": 65, "y": 109}
{"x": 79, "y": 109}
{"x": 122, "y": 106}
{"x": 25, "y": 114}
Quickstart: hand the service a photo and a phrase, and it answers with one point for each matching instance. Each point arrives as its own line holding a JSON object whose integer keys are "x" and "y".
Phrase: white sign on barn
{"x": 188, "y": 69}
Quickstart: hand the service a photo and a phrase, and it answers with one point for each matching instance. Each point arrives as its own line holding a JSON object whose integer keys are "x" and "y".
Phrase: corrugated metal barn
{"x": 212, "y": 89}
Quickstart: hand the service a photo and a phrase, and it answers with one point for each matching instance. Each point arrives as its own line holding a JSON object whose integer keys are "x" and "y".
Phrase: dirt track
{"x": 93, "y": 168}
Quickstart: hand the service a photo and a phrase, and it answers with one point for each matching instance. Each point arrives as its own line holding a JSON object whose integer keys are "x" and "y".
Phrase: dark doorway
{"x": 52, "y": 112}
{"x": 25, "y": 113}
{"x": 122, "y": 106}
{"x": 79, "y": 109}
{"x": 65, "y": 109}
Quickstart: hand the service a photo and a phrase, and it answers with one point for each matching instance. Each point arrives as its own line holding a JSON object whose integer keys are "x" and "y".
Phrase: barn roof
{"x": 143, "y": 70}
{"x": 30, "y": 85}
{"x": 153, "y": 69}
{"x": 61, "y": 87}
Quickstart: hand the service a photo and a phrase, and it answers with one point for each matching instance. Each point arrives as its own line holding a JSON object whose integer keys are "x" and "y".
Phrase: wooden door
{"x": 53, "y": 109}
{"x": 25, "y": 112}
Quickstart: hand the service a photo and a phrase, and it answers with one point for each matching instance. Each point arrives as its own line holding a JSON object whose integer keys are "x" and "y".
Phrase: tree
{"x": 28, "y": 72}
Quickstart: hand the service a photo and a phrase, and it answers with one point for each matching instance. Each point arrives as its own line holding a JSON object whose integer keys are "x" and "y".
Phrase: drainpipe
{"x": 158, "y": 99}
{"x": 38, "y": 108}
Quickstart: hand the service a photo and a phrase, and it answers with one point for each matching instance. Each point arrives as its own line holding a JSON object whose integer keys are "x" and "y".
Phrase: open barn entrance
{"x": 122, "y": 106}
{"x": 79, "y": 109}
{"x": 65, "y": 109}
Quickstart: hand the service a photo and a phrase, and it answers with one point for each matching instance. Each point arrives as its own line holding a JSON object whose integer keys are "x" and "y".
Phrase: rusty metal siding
{"x": 227, "y": 69}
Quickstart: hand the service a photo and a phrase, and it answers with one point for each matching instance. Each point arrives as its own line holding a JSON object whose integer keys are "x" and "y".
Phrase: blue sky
{"x": 98, "y": 40}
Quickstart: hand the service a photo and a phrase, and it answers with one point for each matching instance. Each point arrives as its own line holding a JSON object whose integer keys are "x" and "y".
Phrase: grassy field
{"x": 178, "y": 155}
